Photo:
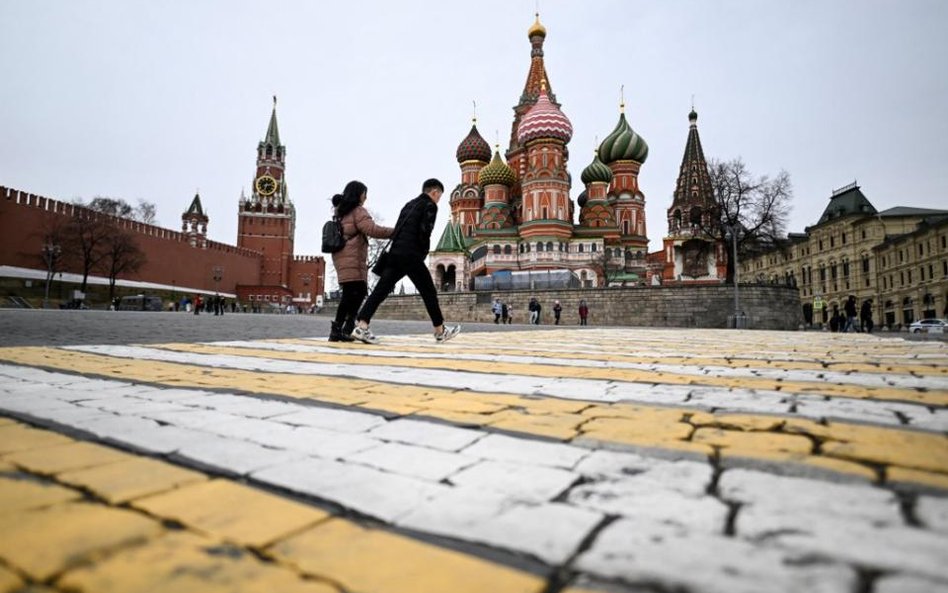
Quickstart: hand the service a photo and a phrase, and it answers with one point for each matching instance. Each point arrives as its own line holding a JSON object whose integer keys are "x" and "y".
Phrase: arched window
{"x": 549, "y": 245}
{"x": 580, "y": 248}
{"x": 594, "y": 247}
{"x": 507, "y": 250}
{"x": 496, "y": 249}
{"x": 539, "y": 246}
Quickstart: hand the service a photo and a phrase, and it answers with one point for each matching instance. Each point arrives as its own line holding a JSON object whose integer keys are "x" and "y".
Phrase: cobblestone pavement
{"x": 566, "y": 461}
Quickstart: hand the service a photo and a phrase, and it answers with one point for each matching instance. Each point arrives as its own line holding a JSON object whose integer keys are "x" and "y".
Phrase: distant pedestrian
{"x": 557, "y": 311}
{"x": 835, "y": 319}
{"x": 534, "y": 308}
{"x": 510, "y": 313}
{"x": 865, "y": 316}
{"x": 198, "y": 303}
{"x": 504, "y": 313}
{"x": 410, "y": 244}
{"x": 583, "y": 312}
{"x": 497, "y": 309}
{"x": 850, "y": 308}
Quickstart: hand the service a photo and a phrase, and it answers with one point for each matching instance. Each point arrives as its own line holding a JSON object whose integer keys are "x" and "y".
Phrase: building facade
{"x": 853, "y": 249}
{"x": 515, "y": 213}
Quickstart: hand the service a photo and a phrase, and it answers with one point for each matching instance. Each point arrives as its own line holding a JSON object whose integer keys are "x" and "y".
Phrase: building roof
{"x": 273, "y": 132}
{"x": 195, "y": 209}
{"x": 473, "y": 147}
{"x": 925, "y": 225}
{"x": 451, "y": 239}
{"x": 846, "y": 201}
{"x": 623, "y": 143}
{"x": 693, "y": 175}
{"x": 908, "y": 211}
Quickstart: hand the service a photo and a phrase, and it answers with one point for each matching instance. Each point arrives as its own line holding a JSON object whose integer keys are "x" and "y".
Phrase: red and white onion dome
{"x": 544, "y": 120}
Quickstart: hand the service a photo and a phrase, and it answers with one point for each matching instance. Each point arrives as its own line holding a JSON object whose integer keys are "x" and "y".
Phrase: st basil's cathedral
{"x": 514, "y": 213}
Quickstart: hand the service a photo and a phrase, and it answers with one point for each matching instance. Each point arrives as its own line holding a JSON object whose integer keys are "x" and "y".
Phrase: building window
{"x": 579, "y": 248}
{"x": 593, "y": 248}
{"x": 845, "y": 269}
{"x": 539, "y": 246}
{"x": 821, "y": 244}
{"x": 863, "y": 233}
{"x": 921, "y": 249}
{"x": 496, "y": 249}
{"x": 865, "y": 265}
{"x": 844, "y": 238}
{"x": 832, "y": 242}
{"x": 507, "y": 250}
{"x": 909, "y": 272}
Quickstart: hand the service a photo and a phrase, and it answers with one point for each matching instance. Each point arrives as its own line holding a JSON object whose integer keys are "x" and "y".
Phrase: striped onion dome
{"x": 623, "y": 144}
{"x": 473, "y": 148}
{"x": 496, "y": 172}
{"x": 544, "y": 120}
{"x": 596, "y": 171}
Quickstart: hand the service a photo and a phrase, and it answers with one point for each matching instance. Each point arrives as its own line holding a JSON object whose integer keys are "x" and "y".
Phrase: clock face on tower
{"x": 266, "y": 185}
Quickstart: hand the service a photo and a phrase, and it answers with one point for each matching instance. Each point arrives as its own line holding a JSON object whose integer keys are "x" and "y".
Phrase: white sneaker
{"x": 447, "y": 333}
{"x": 364, "y": 335}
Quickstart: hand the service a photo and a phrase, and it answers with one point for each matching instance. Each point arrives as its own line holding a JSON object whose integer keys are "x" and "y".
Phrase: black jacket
{"x": 412, "y": 236}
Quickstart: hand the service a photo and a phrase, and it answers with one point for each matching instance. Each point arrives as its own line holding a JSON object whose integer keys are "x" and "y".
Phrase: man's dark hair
{"x": 432, "y": 184}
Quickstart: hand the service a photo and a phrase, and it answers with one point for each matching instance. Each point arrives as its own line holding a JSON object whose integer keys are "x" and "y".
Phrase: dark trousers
{"x": 418, "y": 274}
{"x": 353, "y": 293}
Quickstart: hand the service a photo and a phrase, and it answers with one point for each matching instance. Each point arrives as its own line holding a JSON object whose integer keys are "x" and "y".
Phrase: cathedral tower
{"x": 466, "y": 200}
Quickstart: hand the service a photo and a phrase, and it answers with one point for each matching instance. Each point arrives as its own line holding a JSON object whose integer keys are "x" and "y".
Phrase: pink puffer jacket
{"x": 350, "y": 262}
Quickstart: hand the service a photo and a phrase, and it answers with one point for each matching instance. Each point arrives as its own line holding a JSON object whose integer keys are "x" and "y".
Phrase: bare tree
{"x": 51, "y": 253}
{"x": 144, "y": 212}
{"x": 609, "y": 267}
{"x": 93, "y": 237}
{"x": 376, "y": 247}
{"x": 120, "y": 255}
{"x": 750, "y": 210}
{"x": 85, "y": 240}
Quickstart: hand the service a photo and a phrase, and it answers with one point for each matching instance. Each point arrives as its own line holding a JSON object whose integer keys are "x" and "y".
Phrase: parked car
{"x": 934, "y": 326}
{"x": 140, "y": 303}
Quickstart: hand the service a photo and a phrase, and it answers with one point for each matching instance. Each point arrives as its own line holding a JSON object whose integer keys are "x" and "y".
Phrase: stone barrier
{"x": 765, "y": 306}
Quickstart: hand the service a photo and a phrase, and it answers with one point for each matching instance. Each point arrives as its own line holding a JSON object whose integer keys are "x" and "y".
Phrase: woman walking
{"x": 350, "y": 262}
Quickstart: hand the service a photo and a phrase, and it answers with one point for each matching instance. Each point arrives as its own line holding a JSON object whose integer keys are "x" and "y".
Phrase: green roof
{"x": 273, "y": 132}
{"x": 452, "y": 241}
{"x": 195, "y": 207}
{"x": 846, "y": 202}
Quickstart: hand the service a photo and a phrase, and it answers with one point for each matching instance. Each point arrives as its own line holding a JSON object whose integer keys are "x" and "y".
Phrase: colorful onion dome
{"x": 496, "y": 172}
{"x": 596, "y": 171}
{"x": 473, "y": 148}
{"x": 544, "y": 120}
{"x": 536, "y": 28}
{"x": 582, "y": 199}
{"x": 623, "y": 144}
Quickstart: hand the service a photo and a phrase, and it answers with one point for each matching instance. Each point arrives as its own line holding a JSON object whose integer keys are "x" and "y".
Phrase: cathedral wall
{"x": 767, "y": 307}
{"x": 171, "y": 259}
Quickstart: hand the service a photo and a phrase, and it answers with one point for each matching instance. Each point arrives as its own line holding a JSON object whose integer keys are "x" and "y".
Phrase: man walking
{"x": 497, "y": 310}
{"x": 409, "y": 246}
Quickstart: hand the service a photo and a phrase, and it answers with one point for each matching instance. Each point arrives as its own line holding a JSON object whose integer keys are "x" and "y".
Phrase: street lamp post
{"x": 732, "y": 234}
{"x": 50, "y": 255}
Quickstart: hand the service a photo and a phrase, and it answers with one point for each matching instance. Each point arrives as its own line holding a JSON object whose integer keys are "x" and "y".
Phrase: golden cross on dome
{"x": 622, "y": 98}
{"x": 474, "y": 117}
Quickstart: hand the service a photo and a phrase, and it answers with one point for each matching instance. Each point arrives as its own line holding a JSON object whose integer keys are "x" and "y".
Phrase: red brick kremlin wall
{"x": 171, "y": 259}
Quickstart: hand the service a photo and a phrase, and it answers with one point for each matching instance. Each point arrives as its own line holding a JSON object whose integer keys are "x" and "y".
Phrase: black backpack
{"x": 333, "y": 240}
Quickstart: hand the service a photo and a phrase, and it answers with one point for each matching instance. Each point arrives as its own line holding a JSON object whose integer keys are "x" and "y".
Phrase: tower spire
{"x": 622, "y": 98}
{"x": 273, "y": 132}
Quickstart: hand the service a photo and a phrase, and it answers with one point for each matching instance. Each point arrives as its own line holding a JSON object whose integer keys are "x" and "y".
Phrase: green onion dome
{"x": 623, "y": 144}
{"x": 596, "y": 171}
{"x": 496, "y": 172}
{"x": 473, "y": 148}
{"x": 582, "y": 199}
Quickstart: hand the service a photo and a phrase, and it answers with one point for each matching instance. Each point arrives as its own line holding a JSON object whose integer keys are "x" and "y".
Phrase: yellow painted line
{"x": 851, "y": 391}
{"x": 818, "y": 362}
{"x": 365, "y": 559}
{"x": 315, "y": 553}
{"x": 847, "y": 448}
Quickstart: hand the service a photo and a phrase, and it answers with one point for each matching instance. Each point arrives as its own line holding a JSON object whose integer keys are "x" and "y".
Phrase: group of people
{"x": 409, "y": 243}
{"x": 846, "y": 322}
{"x": 503, "y": 313}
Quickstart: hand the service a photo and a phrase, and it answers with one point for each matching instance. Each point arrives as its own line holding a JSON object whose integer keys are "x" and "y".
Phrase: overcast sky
{"x": 153, "y": 100}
